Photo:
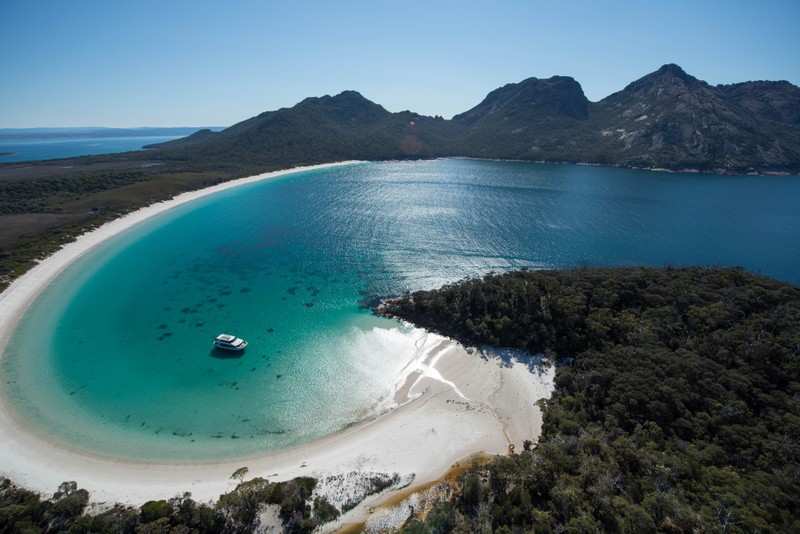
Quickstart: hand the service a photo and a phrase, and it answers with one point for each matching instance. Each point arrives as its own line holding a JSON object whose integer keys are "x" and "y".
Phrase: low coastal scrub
{"x": 43, "y": 213}
{"x": 676, "y": 409}
{"x": 22, "y": 510}
{"x": 300, "y": 506}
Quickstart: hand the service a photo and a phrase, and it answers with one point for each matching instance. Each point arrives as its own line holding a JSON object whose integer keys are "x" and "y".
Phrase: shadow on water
{"x": 223, "y": 354}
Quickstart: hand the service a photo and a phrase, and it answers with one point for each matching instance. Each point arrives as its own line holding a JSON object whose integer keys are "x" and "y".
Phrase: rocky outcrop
{"x": 672, "y": 120}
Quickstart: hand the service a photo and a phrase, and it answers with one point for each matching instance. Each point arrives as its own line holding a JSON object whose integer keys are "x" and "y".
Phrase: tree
{"x": 239, "y": 474}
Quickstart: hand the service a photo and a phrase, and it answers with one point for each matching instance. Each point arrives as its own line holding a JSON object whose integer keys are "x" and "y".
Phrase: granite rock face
{"x": 672, "y": 120}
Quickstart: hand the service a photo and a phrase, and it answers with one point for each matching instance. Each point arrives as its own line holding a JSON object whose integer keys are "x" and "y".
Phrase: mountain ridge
{"x": 667, "y": 119}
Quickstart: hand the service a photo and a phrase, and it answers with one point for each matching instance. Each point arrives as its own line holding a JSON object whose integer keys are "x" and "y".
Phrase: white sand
{"x": 452, "y": 404}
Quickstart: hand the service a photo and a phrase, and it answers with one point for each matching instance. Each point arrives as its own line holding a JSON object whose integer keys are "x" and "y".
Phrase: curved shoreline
{"x": 453, "y": 404}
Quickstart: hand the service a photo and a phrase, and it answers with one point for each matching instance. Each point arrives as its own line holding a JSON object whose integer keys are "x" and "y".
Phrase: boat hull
{"x": 228, "y": 342}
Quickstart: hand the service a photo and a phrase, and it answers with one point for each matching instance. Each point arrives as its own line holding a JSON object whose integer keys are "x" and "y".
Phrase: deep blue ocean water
{"x": 69, "y": 147}
{"x": 115, "y": 357}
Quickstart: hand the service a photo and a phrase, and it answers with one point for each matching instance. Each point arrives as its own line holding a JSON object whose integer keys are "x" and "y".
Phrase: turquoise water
{"x": 70, "y": 147}
{"x": 115, "y": 357}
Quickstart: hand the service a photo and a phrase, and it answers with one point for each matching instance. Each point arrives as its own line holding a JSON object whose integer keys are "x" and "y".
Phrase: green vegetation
{"x": 22, "y": 510}
{"x": 317, "y": 130}
{"x": 677, "y": 402}
{"x": 241, "y": 506}
{"x": 42, "y": 208}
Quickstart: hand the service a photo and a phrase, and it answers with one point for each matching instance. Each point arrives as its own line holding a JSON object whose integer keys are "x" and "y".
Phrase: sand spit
{"x": 451, "y": 404}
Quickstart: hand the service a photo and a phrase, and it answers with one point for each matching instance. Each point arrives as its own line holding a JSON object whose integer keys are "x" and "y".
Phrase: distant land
{"x": 41, "y": 144}
{"x": 8, "y": 134}
{"x": 666, "y": 120}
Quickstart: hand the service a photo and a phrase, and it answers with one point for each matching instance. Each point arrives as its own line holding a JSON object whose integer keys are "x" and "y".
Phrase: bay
{"x": 115, "y": 356}
{"x": 16, "y": 150}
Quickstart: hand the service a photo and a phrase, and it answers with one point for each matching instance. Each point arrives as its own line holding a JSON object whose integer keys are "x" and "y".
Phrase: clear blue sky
{"x": 134, "y": 63}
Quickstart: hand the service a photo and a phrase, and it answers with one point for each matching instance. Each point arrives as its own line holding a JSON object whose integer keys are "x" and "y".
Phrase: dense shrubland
{"x": 22, "y": 510}
{"x": 676, "y": 409}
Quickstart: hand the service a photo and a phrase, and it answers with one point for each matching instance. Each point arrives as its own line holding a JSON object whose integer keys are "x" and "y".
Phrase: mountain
{"x": 667, "y": 119}
{"x": 328, "y": 128}
{"x": 777, "y": 101}
{"x": 670, "y": 119}
{"x": 195, "y": 138}
{"x": 532, "y": 100}
{"x": 533, "y": 119}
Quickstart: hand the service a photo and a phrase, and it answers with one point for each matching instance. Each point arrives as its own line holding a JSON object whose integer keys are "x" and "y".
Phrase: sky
{"x": 134, "y": 63}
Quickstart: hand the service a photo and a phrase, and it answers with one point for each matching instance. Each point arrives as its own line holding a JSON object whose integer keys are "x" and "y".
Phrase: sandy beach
{"x": 452, "y": 404}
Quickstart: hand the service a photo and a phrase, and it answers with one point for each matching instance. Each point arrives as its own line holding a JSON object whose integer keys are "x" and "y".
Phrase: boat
{"x": 229, "y": 342}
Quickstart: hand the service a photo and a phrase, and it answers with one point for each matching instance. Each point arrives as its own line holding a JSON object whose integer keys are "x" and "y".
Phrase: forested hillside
{"x": 677, "y": 402}
{"x": 667, "y": 119}
{"x": 317, "y": 130}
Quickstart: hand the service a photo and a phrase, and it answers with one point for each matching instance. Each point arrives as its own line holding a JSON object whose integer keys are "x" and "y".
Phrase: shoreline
{"x": 452, "y": 404}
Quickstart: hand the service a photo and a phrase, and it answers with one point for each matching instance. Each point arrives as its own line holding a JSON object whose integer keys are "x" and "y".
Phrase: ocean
{"x": 70, "y": 147}
{"x": 115, "y": 356}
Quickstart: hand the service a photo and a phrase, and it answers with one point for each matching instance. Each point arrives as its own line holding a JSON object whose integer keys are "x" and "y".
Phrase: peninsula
{"x": 675, "y": 400}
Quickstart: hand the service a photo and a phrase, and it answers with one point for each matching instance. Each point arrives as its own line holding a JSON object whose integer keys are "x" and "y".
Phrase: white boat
{"x": 229, "y": 342}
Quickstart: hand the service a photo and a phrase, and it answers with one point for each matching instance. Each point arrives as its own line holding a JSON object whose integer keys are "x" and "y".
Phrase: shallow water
{"x": 115, "y": 357}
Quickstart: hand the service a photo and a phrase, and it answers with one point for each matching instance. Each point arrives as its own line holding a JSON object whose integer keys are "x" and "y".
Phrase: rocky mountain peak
{"x": 532, "y": 99}
{"x": 668, "y": 81}
{"x": 346, "y": 106}
{"x": 667, "y": 119}
{"x": 777, "y": 101}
